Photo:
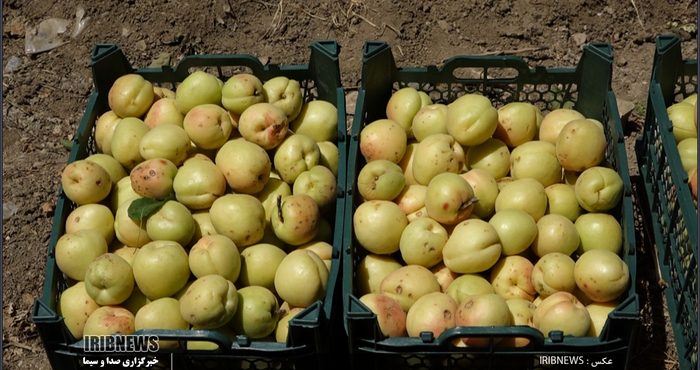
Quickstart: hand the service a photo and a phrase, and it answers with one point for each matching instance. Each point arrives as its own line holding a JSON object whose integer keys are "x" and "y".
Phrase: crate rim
{"x": 373, "y": 48}
{"x": 661, "y": 95}
{"x": 316, "y": 316}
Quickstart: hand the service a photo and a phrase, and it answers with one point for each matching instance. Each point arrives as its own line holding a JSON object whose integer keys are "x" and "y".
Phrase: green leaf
{"x": 143, "y": 207}
{"x": 68, "y": 144}
{"x": 162, "y": 59}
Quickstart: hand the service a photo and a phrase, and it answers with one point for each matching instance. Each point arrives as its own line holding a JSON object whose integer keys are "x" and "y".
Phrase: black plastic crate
{"x": 673, "y": 215}
{"x": 311, "y": 334}
{"x": 503, "y": 79}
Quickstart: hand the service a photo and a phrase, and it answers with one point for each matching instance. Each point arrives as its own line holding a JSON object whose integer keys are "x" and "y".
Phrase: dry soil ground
{"x": 46, "y": 94}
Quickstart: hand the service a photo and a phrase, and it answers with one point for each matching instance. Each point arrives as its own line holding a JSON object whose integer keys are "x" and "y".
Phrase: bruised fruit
{"x": 153, "y": 178}
{"x": 295, "y": 219}
{"x": 85, "y": 182}
{"x": 380, "y": 180}
{"x": 482, "y": 310}
{"x": 433, "y": 312}
{"x": 390, "y": 316}
{"x": 108, "y": 320}
{"x": 408, "y": 284}
{"x": 422, "y": 242}
{"x": 449, "y": 199}
{"x": 263, "y": 124}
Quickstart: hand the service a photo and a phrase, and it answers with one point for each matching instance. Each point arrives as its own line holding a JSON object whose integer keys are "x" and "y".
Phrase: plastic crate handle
{"x": 486, "y": 63}
{"x": 243, "y": 60}
{"x": 446, "y": 72}
{"x": 519, "y": 331}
